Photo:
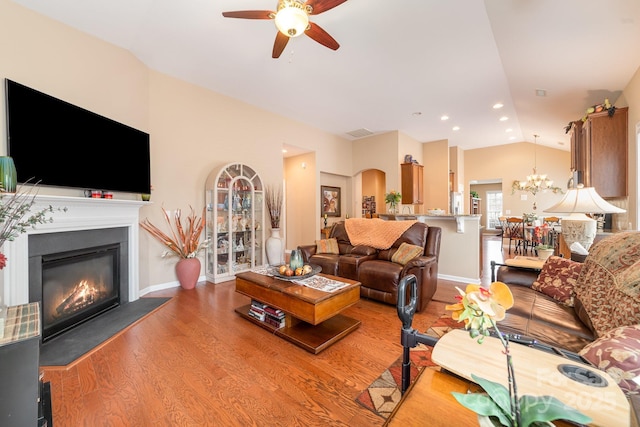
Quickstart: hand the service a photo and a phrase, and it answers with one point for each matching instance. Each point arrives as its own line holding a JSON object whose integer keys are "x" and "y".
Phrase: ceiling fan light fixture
{"x": 292, "y": 18}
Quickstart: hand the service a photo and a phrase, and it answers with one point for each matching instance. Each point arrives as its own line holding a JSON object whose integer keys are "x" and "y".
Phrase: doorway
{"x": 491, "y": 205}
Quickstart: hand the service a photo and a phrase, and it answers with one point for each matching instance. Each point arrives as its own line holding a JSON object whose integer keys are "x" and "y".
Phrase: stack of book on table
{"x": 264, "y": 313}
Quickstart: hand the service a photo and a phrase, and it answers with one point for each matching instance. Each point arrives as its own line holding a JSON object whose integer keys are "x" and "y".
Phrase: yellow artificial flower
{"x": 480, "y": 307}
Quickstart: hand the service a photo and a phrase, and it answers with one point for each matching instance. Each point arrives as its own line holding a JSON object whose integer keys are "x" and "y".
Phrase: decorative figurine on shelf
{"x": 325, "y": 220}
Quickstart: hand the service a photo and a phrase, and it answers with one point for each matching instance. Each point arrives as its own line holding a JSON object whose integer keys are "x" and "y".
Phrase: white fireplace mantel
{"x": 81, "y": 214}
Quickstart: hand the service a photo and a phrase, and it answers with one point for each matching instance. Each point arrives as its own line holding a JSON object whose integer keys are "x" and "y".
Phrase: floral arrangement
{"x": 184, "y": 240}
{"x": 392, "y": 198}
{"x": 543, "y": 236}
{"x": 480, "y": 308}
{"x": 16, "y": 216}
{"x": 273, "y": 198}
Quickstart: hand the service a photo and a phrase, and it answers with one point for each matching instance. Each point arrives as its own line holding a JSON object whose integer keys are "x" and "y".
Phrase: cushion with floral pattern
{"x": 609, "y": 284}
{"x": 617, "y": 353}
{"x": 558, "y": 278}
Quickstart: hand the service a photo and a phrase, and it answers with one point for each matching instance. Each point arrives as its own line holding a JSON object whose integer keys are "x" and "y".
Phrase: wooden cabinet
{"x": 412, "y": 183}
{"x": 578, "y": 152}
{"x": 601, "y": 152}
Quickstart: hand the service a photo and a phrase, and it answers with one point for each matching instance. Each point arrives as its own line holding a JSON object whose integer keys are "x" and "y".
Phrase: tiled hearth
{"x": 82, "y": 214}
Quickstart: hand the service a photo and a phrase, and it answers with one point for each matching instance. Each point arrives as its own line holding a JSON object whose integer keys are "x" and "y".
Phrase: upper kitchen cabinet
{"x": 412, "y": 183}
{"x": 600, "y": 151}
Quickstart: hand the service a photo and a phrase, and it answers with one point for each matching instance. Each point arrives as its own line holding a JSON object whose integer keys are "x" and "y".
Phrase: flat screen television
{"x": 59, "y": 144}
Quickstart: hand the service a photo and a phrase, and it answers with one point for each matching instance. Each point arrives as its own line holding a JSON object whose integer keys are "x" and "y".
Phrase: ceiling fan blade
{"x": 319, "y": 6}
{"x": 250, "y": 14}
{"x": 279, "y": 44}
{"x": 321, "y": 36}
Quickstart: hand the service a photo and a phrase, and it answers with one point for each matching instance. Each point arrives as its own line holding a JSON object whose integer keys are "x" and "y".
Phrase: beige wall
{"x": 514, "y": 162}
{"x": 300, "y": 200}
{"x": 436, "y": 175}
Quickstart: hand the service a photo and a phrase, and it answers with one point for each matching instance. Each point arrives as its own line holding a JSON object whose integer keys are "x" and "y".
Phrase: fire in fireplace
{"x": 77, "y": 286}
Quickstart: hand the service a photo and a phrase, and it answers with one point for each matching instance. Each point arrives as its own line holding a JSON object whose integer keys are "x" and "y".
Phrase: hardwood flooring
{"x": 195, "y": 362}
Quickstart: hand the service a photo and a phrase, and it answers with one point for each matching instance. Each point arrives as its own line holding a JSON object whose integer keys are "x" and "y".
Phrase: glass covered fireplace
{"x": 77, "y": 275}
{"x": 76, "y": 286}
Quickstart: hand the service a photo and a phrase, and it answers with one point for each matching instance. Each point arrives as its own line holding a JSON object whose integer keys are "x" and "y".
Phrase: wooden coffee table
{"x": 312, "y": 317}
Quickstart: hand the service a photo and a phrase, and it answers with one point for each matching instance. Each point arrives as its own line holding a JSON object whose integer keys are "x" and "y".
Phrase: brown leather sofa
{"x": 538, "y": 316}
{"x": 373, "y": 268}
{"x": 601, "y": 297}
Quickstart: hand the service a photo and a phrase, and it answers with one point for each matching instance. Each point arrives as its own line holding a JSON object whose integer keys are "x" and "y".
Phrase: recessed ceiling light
{"x": 456, "y": 128}
{"x": 497, "y": 106}
{"x": 284, "y": 151}
{"x": 445, "y": 117}
{"x": 504, "y": 118}
{"x": 541, "y": 92}
{"x": 509, "y": 130}
{"x": 417, "y": 113}
{"x": 511, "y": 138}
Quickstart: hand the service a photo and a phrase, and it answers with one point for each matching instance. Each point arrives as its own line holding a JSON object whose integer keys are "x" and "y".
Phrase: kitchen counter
{"x": 460, "y": 246}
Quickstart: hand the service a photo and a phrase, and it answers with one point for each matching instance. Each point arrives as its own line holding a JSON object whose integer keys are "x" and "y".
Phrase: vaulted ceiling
{"x": 401, "y": 64}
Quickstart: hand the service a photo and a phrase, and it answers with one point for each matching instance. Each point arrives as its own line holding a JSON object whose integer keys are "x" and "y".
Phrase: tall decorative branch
{"x": 273, "y": 199}
{"x": 184, "y": 241}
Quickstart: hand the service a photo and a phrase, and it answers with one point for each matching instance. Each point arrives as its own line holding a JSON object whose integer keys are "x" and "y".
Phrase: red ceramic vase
{"x": 188, "y": 271}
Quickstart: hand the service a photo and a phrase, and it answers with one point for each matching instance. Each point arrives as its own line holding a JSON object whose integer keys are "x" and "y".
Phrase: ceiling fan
{"x": 292, "y": 20}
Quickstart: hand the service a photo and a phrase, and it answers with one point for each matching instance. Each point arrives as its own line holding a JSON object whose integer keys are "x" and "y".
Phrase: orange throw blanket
{"x": 375, "y": 232}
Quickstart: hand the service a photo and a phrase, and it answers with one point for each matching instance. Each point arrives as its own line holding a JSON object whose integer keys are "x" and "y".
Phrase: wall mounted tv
{"x": 63, "y": 145}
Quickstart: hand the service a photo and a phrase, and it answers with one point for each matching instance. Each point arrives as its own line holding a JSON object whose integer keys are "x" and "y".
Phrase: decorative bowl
{"x": 435, "y": 211}
{"x": 315, "y": 269}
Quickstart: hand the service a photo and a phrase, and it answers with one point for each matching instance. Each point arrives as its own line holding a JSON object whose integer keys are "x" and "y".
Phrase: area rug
{"x": 382, "y": 395}
{"x": 66, "y": 348}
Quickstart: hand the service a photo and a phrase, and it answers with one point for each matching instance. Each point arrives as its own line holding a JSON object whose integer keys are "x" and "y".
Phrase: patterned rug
{"x": 382, "y": 395}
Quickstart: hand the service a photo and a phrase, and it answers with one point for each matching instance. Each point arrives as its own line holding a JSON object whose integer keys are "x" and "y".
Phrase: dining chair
{"x": 515, "y": 229}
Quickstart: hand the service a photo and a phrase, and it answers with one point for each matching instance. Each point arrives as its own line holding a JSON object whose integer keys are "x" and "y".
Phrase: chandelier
{"x": 535, "y": 182}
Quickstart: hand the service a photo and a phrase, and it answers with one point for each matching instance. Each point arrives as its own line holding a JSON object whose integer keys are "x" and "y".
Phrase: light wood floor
{"x": 195, "y": 362}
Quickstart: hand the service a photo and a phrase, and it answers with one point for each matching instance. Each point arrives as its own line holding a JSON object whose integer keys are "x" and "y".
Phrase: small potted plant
{"x": 544, "y": 238}
{"x": 392, "y": 199}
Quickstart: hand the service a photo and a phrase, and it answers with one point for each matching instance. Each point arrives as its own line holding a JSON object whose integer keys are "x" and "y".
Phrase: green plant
{"x": 474, "y": 194}
{"x": 392, "y": 198}
{"x": 480, "y": 308}
{"x": 184, "y": 241}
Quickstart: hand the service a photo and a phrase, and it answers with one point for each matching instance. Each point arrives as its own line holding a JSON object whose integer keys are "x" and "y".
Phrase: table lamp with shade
{"x": 577, "y": 202}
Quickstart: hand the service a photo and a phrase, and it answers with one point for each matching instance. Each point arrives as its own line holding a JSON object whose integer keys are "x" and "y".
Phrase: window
{"x": 494, "y": 208}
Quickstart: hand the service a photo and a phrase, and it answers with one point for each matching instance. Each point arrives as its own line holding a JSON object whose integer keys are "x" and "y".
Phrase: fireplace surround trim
{"x": 81, "y": 214}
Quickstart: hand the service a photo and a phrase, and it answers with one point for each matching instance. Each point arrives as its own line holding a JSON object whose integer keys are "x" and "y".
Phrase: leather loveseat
{"x": 580, "y": 301}
{"x": 374, "y": 267}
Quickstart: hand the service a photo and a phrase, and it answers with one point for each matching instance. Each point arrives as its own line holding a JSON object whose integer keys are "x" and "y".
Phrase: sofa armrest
{"x": 307, "y": 252}
{"x": 425, "y": 268}
{"x": 513, "y": 275}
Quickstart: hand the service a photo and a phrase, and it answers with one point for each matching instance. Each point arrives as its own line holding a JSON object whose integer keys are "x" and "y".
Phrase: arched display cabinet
{"x": 234, "y": 197}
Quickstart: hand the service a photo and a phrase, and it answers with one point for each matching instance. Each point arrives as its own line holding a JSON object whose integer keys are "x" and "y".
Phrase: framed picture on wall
{"x": 330, "y": 200}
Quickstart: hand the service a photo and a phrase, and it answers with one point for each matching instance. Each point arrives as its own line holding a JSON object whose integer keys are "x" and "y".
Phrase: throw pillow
{"x": 558, "y": 278}
{"x": 616, "y": 353}
{"x": 406, "y": 253}
{"x": 609, "y": 283}
{"x": 327, "y": 246}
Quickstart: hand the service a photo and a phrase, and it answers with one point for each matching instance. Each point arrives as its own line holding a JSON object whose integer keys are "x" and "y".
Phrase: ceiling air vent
{"x": 359, "y": 133}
